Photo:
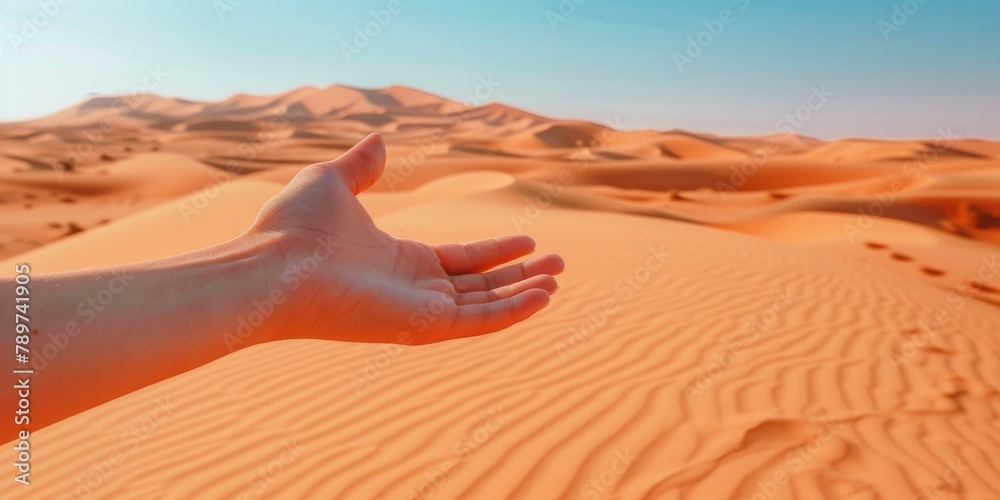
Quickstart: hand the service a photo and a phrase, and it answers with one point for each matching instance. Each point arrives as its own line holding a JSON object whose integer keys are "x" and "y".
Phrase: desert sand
{"x": 741, "y": 317}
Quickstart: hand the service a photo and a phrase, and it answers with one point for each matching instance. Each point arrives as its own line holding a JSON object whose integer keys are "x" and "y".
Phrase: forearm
{"x": 100, "y": 334}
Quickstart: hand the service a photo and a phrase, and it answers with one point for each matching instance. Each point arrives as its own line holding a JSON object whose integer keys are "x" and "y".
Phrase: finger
{"x": 478, "y": 256}
{"x": 547, "y": 264}
{"x": 542, "y": 282}
{"x": 478, "y": 319}
{"x": 362, "y": 165}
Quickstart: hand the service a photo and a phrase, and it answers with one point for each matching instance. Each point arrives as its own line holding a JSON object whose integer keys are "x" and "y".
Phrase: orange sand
{"x": 824, "y": 323}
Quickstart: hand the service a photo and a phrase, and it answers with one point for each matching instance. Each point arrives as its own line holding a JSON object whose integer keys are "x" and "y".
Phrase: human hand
{"x": 372, "y": 287}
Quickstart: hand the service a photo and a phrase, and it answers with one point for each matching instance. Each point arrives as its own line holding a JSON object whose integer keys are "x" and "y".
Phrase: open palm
{"x": 355, "y": 282}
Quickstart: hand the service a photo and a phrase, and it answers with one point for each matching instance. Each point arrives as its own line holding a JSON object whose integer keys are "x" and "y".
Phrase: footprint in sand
{"x": 930, "y": 271}
{"x": 982, "y": 287}
{"x": 73, "y": 228}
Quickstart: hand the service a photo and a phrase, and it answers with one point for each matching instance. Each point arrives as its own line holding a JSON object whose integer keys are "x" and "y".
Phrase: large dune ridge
{"x": 767, "y": 317}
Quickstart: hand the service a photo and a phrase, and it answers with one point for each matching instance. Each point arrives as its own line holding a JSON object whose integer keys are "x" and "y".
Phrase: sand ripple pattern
{"x": 629, "y": 387}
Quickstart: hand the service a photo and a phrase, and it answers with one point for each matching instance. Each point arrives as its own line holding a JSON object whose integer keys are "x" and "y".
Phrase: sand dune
{"x": 748, "y": 317}
{"x": 570, "y": 407}
{"x": 40, "y": 207}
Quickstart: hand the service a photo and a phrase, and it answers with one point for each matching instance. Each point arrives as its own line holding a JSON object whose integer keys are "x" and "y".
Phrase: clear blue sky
{"x": 607, "y": 61}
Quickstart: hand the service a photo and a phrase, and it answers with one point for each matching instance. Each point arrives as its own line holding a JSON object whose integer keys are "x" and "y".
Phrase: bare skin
{"x": 312, "y": 266}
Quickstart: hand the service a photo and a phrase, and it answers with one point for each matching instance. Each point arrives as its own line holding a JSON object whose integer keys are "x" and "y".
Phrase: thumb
{"x": 362, "y": 165}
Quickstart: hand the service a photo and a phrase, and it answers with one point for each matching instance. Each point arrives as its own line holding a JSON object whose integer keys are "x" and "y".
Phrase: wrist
{"x": 238, "y": 285}
{"x": 259, "y": 265}
{"x": 301, "y": 268}
{"x": 286, "y": 272}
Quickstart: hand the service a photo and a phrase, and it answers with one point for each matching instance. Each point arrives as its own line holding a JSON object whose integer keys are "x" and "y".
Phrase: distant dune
{"x": 827, "y": 262}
